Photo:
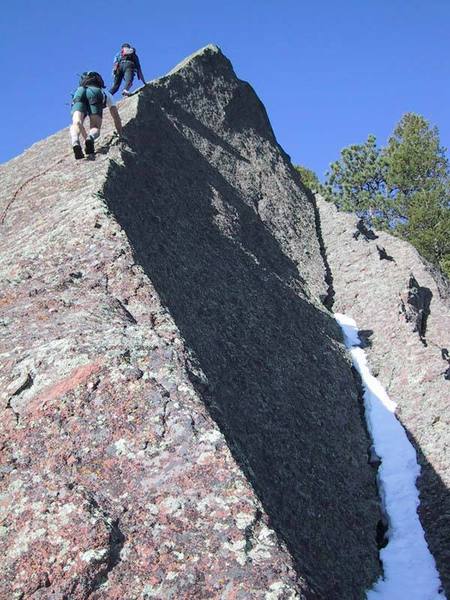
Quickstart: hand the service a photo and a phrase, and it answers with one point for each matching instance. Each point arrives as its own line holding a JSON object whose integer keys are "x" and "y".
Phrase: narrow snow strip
{"x": 409, "y": 568}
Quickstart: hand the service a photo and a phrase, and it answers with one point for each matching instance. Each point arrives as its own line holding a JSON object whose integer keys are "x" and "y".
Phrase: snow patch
{"x": 409, "y": 568}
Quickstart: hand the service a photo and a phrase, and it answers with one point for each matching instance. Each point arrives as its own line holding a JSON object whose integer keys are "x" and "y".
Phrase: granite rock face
{"x": 179, "y": 418}
{"x": 402, "y": 307}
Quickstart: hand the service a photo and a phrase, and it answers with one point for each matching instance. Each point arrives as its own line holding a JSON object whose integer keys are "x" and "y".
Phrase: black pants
{"x": 126, "y": 71}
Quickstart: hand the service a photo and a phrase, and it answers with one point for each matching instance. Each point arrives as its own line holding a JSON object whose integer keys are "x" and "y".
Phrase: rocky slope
{"x": 179, "y": 419}
{"x": 402, "y": 307}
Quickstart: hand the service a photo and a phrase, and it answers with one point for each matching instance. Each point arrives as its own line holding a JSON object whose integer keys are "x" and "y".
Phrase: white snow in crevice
{"x": 409, "y": 568}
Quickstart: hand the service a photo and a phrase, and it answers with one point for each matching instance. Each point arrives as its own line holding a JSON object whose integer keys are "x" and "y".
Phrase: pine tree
{"x": 417, "y": 176}
{"x": 356, "y": 182}
{"x": 309, "y": 178}
{"x": 428, "y": 228}
{"x": 416, "y": 163}
{"x": 404, "y": 188}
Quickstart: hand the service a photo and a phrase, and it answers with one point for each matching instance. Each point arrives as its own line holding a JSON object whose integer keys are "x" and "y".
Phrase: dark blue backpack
{"x": 91, "y": 78}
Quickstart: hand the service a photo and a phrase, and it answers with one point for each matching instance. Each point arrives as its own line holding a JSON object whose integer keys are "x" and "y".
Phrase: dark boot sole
{"x": 89, "y": 147}
{"x": 78, "y": 152}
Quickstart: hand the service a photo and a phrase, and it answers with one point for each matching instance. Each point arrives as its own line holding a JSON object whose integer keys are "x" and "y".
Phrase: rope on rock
{"x": 113, "y": 140}
{"x": 25, "y": 183}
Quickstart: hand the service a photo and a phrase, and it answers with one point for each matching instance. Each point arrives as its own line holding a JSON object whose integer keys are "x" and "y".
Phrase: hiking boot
{"x": 89, "y": 147}
{"x": 78, "y": 152}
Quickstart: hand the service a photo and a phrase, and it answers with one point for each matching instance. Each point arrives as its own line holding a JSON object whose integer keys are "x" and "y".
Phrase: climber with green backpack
{"x": 89, "y": 100}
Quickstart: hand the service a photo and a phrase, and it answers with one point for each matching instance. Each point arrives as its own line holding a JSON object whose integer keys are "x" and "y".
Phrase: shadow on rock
{"x": 434, "y": 513}
{"x": 266, "y": 361}
{"x": 365, "y": 335}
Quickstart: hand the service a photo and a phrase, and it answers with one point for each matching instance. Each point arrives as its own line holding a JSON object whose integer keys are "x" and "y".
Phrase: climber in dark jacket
{"x": 126, "y": 64}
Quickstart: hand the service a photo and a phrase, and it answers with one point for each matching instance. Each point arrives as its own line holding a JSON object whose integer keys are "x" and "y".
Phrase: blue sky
{"x": 329, "y": 72}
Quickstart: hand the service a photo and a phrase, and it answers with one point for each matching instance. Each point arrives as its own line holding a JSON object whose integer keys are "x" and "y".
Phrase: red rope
{"x": 24, "y": 184}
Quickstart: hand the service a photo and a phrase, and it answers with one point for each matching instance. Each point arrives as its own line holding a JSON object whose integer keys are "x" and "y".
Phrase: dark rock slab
{"x": 220, "y": 248}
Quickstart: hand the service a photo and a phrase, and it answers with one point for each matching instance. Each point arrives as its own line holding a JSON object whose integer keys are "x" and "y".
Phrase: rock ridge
{"x": 179, "y": 418}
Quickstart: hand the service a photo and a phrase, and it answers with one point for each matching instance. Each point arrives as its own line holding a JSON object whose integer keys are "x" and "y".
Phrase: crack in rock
{"x": 445, "y": 356}
{"x": 195, "y": 431}
{"x": 119, "y": 307}
{"x": 116, "y": 539}
{"x": 249, "y": 533}
{"x": 24, "y": 383}
{"x": 328, "y": 299}
{"x": 164, "y": 416}
{"x": 384, "y": 255}
{"x": 415, "y": 306}
{"x": 363, "y": 231}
